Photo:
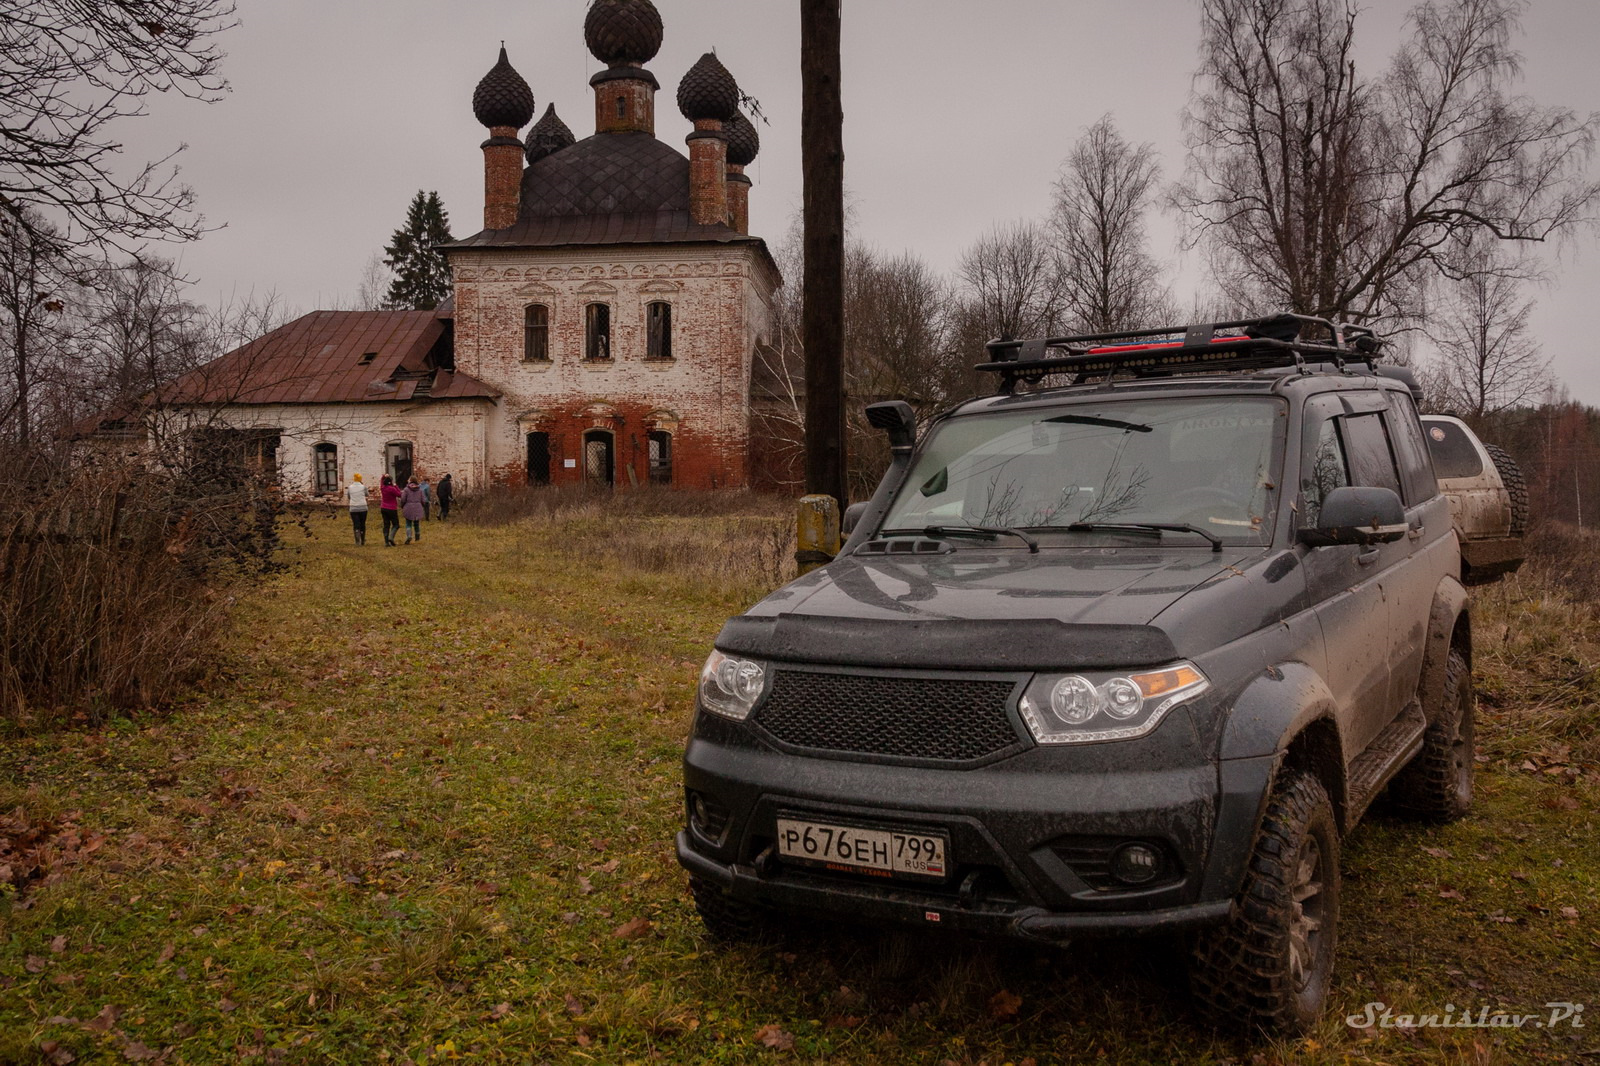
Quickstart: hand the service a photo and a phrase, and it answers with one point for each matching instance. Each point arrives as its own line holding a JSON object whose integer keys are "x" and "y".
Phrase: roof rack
{"x": 1248, "y": 344}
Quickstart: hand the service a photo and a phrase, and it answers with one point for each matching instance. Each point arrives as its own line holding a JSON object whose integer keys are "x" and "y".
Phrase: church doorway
{"x": 538, "y": 458}
{"x": 599, "y": 466}
{"x": 397, "y": 460}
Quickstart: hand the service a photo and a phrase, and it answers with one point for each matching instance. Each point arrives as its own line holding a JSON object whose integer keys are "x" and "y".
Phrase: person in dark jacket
{"x": 389, "y": 507}
{"x": 411, "y": 510}
{"x": 442, "y": 492}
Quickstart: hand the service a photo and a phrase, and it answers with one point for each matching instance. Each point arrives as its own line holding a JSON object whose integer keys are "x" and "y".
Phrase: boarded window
{"x": 658, "y": 319}
{"x": 536, "y": 333}
{"x": 660, "y": 457}
{"x": 538, "y": 458}
{"x": 325, "y": 468}
{"x": 597, "y": 331}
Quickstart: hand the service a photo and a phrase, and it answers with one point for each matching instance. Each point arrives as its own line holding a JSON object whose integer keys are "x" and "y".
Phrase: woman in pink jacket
{"x": 389, "y": 507}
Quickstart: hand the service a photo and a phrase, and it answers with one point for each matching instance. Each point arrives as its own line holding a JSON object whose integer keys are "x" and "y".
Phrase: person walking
{"x": 427, "y": 498}
{"x": 356, "y": 495}
{"x": 389, "y": 507}
{"x": 411, "y": 510}
{"x": 444, "y": 492}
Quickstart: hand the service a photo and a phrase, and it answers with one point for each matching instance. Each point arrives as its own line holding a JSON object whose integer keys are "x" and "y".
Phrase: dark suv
{"x": 1130, "y": 654}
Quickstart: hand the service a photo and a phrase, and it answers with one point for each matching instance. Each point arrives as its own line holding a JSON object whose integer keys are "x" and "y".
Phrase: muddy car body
{"x": 1488, "y": 499}
{"x": 1148, "y": 691}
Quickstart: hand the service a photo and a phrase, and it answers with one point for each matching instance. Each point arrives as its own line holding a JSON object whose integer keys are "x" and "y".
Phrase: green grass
{"x": 429, "y": 785}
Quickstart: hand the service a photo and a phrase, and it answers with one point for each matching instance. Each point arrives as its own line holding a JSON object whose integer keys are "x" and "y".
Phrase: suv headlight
{"x": 1079, "y": 709}
{"x": 730, "y": 686}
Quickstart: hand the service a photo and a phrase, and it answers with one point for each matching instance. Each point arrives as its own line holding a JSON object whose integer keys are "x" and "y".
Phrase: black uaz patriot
{"x": 1126, "y": 648}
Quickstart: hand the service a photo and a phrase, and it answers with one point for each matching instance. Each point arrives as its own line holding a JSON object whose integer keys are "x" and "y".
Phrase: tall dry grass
{"x": 115, "y": 583}
{"x": 740, "y": 541}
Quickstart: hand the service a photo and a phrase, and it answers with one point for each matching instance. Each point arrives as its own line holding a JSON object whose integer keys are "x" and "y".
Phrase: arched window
{"x": 658, "y": 322}
{"x": 536, "y": 333}
{"x": 397, "y": 460}
{"x": 597, "y": 331}
{"x": 325, "y": 468}
{"x": 660, "y": 457}
{"x": 622, "y": 106}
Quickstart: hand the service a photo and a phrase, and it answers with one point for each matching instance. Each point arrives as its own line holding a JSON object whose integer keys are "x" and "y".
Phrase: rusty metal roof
{"x": 332, "y": 357}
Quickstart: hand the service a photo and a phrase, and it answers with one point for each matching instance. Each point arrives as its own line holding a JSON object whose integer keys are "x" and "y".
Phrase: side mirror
{"x": 895, "y": 418}
{"x": 852, "y": 515}
{"x": 1352, "y": 515}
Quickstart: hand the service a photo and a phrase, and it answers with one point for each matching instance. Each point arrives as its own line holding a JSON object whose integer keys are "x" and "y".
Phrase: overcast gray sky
{"x": 957, "y": 115}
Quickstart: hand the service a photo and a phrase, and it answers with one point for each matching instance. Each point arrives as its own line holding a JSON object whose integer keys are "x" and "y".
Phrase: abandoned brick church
{"x": 603, "y": 324}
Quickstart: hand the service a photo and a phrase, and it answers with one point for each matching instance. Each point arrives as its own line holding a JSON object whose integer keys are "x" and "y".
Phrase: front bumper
{"x": 1015, "y": 832}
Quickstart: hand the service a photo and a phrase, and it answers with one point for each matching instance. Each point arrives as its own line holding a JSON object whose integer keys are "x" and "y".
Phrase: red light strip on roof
{"x": 1150, "y": 347}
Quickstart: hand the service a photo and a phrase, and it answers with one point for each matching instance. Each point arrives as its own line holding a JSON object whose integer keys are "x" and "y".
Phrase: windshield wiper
{"x": 986, "y": 532}
{"x": 1145, "y": 527}
{"x": 1090, "y": 420}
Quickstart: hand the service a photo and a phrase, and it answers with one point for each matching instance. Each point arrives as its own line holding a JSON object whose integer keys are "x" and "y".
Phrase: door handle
{"x": 1367, "y": 558}
{"x": 1416, "y": 532}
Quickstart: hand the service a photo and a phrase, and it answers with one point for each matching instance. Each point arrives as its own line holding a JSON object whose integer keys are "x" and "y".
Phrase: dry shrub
{"x": 504, "y": 504}
{"x": 115, "y": 583}
{"x": 1537, "y": 651}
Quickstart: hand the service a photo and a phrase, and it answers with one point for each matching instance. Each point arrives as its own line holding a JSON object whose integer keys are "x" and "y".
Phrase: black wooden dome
{"x": 549, "y": 135}
{"x": 622, "y": 31}
{"x": 743, "y": 141}
{"x": 708, "y": 91}
{"x": 502, "y": 98}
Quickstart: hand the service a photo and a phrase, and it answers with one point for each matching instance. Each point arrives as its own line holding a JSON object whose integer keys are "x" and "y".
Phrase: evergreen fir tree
{"x": 421, "y": 275}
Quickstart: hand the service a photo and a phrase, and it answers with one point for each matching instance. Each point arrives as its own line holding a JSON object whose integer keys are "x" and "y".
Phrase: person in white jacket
{"x": 356, "y": 494}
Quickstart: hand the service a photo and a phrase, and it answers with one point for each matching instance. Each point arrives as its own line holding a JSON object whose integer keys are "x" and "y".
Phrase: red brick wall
{"x": 708, "y": 179}
{"x": 639, "y": 106}
{"x": 502, "y": 177}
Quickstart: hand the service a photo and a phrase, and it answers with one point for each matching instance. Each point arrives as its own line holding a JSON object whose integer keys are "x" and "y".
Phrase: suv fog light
{"x": 1135, "y": 864}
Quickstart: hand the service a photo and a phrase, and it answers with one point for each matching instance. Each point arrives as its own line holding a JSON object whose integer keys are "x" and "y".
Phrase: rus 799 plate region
{"x": 894, "y": 852}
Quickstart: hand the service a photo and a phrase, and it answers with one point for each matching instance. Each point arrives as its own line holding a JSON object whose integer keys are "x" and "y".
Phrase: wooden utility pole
{"x": 822, "y": 313}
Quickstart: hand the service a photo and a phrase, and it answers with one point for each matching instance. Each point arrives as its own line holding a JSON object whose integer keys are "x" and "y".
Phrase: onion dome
{"x": 743, "y": 141}
{"x": 708, "y": 91}
{"x": 622, "y": 31}
{"x": 548, "y": 136}
{"x": 502, "y": 98}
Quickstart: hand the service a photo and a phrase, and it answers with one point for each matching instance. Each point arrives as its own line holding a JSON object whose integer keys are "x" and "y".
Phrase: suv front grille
{"x": 940, "y": 719}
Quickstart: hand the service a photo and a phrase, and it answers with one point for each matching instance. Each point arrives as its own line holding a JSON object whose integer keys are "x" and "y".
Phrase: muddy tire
{"x": 1268, "y": 968}
{"x": 1437, "y": 784}
{"x": 725, "y": 918}
{"x": 1516, "y": 487}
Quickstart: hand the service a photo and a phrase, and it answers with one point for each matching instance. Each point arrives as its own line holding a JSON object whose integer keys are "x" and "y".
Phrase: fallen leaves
{"x": 1004, "y": 1004}
{"x": 498, "y": 1011}
{"x": 39, "y": 849}
{"x": 633, "y": 928}
{"x": 775, "y": 1037}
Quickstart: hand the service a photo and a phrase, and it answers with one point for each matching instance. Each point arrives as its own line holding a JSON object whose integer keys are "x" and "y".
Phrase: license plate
{"x": 884, "y": 852}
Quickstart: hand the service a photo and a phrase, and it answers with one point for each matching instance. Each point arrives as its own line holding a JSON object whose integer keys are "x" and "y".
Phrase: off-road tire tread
{"x": 1239, "y": 975}
{"x": 1516, "y": 487}
{"x": 727, "y": 920}
{"x": 1426, "y": 788}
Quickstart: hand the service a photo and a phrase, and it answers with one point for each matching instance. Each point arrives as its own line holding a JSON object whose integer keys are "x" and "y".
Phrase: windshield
{"x": 1207, "y": 463}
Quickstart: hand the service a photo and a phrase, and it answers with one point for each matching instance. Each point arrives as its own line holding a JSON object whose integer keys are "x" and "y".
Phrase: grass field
{"x": 425, "y": 809}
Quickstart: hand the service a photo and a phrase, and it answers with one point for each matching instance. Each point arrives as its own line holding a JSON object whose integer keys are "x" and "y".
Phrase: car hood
{"x": 983, "y": 609}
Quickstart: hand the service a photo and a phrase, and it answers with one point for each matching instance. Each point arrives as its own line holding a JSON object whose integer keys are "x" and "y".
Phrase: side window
{"x": 325, "y": 460}
{"x": 1323, "y": 471}
{"x": 1453, "y": 453}
{"x": 1367, "y": 448}
{"x": 1416, "y": 467}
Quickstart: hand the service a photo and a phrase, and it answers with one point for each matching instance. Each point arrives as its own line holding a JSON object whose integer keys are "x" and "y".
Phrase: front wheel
{"x": 725, "y": 918}
{"x": 1269, "y": 966}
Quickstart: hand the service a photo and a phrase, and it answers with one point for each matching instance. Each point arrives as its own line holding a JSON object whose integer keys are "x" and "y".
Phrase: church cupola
{"x": 504, "y": 103}
{"x": 624, "y": 35}
{"x": 743, "y": 144}
{"x": 709, "y": 97}
{"x": 548, "y": 136}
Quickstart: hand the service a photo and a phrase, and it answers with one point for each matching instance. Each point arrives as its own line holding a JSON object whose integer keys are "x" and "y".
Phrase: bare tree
{"x": 1109, "y": 281}
{"x": 141, "y": 330}
{"x": 69, "y": 70}
{"x": 1318, "y": 190}
{"x": 32, "y": 279}
{"x": 1487, "y": 361}
{"x": 1011, "y": 284}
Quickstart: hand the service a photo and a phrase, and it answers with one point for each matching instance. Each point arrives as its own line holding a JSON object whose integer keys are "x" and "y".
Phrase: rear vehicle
{"x": 1488, "y": 498}
{"x": 1127, "y": 648}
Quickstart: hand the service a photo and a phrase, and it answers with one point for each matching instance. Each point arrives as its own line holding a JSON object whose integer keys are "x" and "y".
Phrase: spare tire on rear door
{"x": 1516, "y": 486}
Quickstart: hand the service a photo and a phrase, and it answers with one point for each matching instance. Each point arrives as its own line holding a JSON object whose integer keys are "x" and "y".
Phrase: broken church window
{"x": 658, "y": 319}
{"x": 536, "y": 333}
{"x": 597, "y": 331}
{"x": 325, "y": 464}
